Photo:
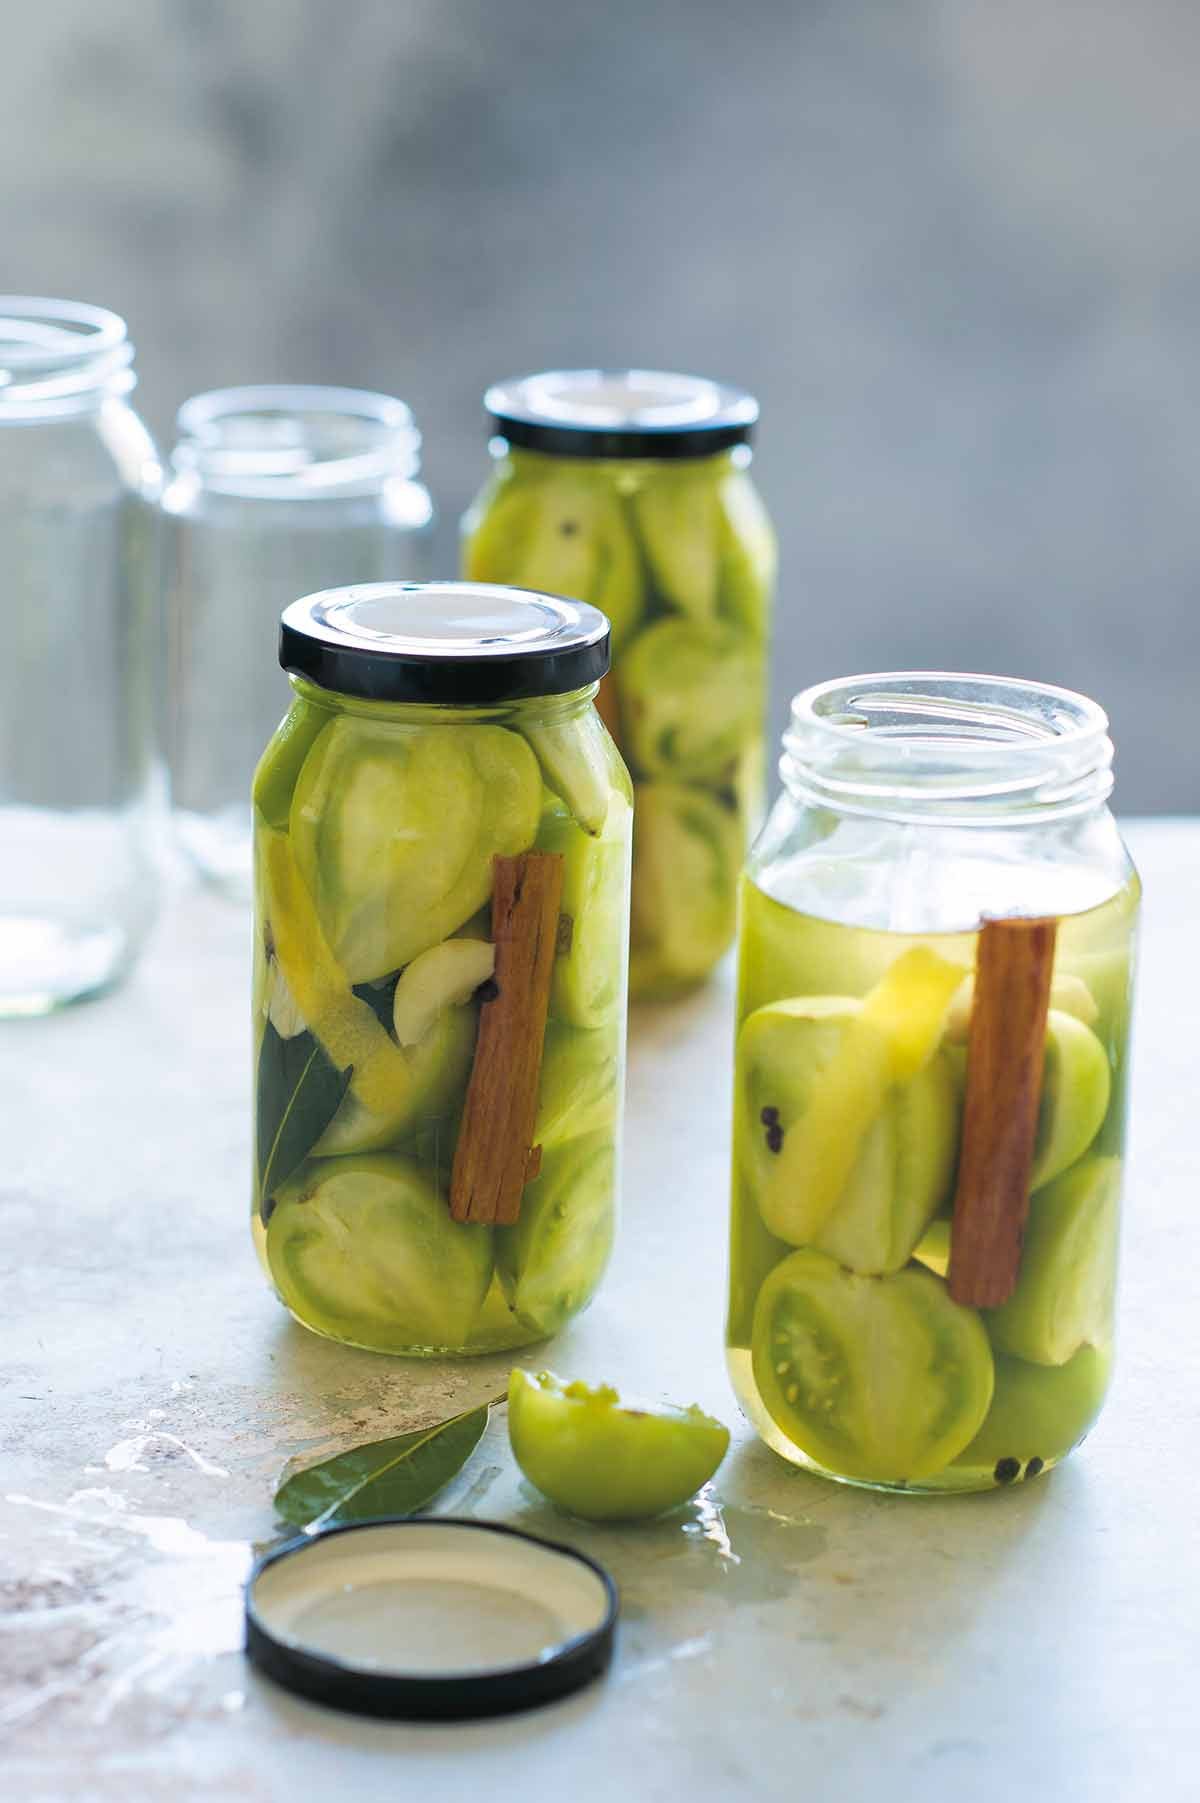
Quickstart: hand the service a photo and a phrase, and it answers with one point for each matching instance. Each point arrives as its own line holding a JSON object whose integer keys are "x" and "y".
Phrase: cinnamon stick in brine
{"x": 495, "y": 1157}
{"x": 1006, "y": 1047}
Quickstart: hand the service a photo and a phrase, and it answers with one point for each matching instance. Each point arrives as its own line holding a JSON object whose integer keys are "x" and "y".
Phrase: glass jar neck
{"x": 59, "y": 358}
{"x": 540, "y": 709}
{"x": 961, "y": 750}
{"x": 295, "y": 443}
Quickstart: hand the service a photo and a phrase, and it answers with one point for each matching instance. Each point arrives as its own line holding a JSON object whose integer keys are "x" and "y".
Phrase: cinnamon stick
{"x": 1006, "y": 1048}
{"x": 608, "y": 707}
{"x": 494, "y": 1158}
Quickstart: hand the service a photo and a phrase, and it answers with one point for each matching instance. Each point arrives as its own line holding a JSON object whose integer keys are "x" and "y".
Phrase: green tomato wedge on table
{"x": 687, "y": 854}
{"x": 364, "y": 1249}
{"x": 606, "y": 1460}
{"x": 691, "y": 697}
{"x": 884, "y": 1379}
{"x": 1067, "y": 1279}
{"x": 904, "y": 1168}
{"x": 394, "y": 836}
{"x": 550, "y": 1263}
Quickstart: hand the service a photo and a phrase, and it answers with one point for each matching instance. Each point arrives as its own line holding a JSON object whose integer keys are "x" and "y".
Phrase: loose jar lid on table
{"x": 430, "y": 1620}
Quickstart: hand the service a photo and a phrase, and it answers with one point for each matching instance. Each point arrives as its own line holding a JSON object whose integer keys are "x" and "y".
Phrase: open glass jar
{"x": 631, "y": 489}
{"x": 442, "y": 846}
{"x": 936, "y": 950}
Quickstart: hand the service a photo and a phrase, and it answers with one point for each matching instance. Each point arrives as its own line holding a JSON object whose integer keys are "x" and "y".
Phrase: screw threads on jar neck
{"x": 968, "y": 750}
{"x": 288, "y": 441}
{"x": 60, "y": 357}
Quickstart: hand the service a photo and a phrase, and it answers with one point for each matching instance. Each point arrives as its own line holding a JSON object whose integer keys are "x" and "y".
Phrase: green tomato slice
{"x": 1038, "y": 1413}
{"x": 884, "y": 1379}
{"x": 1076, "y": 1085}
{"x": 364, "y": 1249}
{"x": 579, "y": 765}
{"x": 687, "y": 853}
{"x": 551, "y": 1262}
{"x": 604, "y": 1459}
{"x": 579, "y": 1093}
{"x": 691, "y": 698}
{"x": 676, "y": 515}
{"x": 282, "y": 761}
{"x": 746, "y": 553}
{"x": 1067, "y": 1281}
{"x": 395, "y": 831}
{"x": 434, "y": 1021}
{"x": 588, "y": 985}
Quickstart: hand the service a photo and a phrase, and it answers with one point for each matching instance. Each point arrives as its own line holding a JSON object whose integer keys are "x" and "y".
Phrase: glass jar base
{"x": 495, "y": 1343}
{"x": 955, "y": 1479}
{"x": 47, "y": 964}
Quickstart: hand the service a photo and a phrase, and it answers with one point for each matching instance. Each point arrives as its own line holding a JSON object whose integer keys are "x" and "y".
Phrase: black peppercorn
{"x": 1007, "y": 1471}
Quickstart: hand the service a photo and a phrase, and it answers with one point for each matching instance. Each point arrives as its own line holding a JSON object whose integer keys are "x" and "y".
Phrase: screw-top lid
{"x": 429, "y": 1619}
{"x": 471, "y": 643}
{"x": 621, "y": 413}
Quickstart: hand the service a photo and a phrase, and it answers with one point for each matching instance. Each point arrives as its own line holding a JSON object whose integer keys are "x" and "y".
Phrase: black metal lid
{"x": 429, "y": 1619}
{"x": 621, "y": 413}
{"x": 470, "y": 643}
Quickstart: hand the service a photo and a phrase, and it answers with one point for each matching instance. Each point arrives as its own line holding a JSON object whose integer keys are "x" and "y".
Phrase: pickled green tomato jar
{"x": 631, "y": 489}
{"x": 917, "y": 808}
{"x": 442, "y": 836}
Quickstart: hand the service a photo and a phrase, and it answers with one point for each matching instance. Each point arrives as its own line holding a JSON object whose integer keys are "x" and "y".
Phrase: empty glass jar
{"x": 81, "y": 794}
{"x": 937, "y": 932}
{"x": 274, "y": 492}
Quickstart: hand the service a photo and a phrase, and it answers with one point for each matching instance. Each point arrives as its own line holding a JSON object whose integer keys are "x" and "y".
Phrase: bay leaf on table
{"x": 397, "y": 1476}
{"x": 300, "y": 1089}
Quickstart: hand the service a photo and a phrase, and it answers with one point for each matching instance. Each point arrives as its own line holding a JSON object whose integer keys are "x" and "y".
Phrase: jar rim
{"x": 904, "y": 744}
{"x": 60, "y": 356}
{"x": 312, "y": 440}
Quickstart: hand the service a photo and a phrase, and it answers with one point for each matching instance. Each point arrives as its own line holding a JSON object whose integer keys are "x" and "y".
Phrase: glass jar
{"x": 631, "y": 490}
{"x": 442, "y": 845}
{"x": 81, "y": 788}
{"x": 275, "y": 491}
{"x": 936, "y": 955}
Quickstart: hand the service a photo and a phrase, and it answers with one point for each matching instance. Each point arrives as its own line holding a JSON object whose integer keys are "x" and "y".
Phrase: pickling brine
{"x": 872, "y": 1336}
{"x": 439, "y": 987}
{"x": 632, "y": 490}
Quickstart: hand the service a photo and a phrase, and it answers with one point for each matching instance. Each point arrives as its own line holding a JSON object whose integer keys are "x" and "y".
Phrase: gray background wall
{"x": 953, "y": 245}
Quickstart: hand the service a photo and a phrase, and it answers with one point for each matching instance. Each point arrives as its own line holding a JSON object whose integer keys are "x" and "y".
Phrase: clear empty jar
{"x": 80, "y": 786}
{"x": 274, "y": 492}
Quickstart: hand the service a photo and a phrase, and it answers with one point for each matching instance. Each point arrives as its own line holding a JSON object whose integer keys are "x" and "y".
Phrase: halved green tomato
{"x": 589, "y": 965}
{"x": 1065, "y": 1291}
{"x": 552, "y": 1260}
{"x": 394, "y": 832}
{"x": 904, "y": 1167}
{"x": 364, "y": 1249}
{"x": 434, "y": 1022}
{"x": 579, "y": 1084}
{"x": 884, "y": 1379}
{"x": 606, "y": 1460}
{"x": 676, "y": 516}
{"x": 562, "y": 530}
{"x": 1038, "y": 1413}
{"x": 687, "y": 853}
{"x": 691, "y": 697}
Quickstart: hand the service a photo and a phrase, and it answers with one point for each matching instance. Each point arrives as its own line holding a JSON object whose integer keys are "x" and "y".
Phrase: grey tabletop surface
{"x": 780, "y": 1637}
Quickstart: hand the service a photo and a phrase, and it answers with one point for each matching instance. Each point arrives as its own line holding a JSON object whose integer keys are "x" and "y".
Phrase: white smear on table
{"x": 130, "y": 1455}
